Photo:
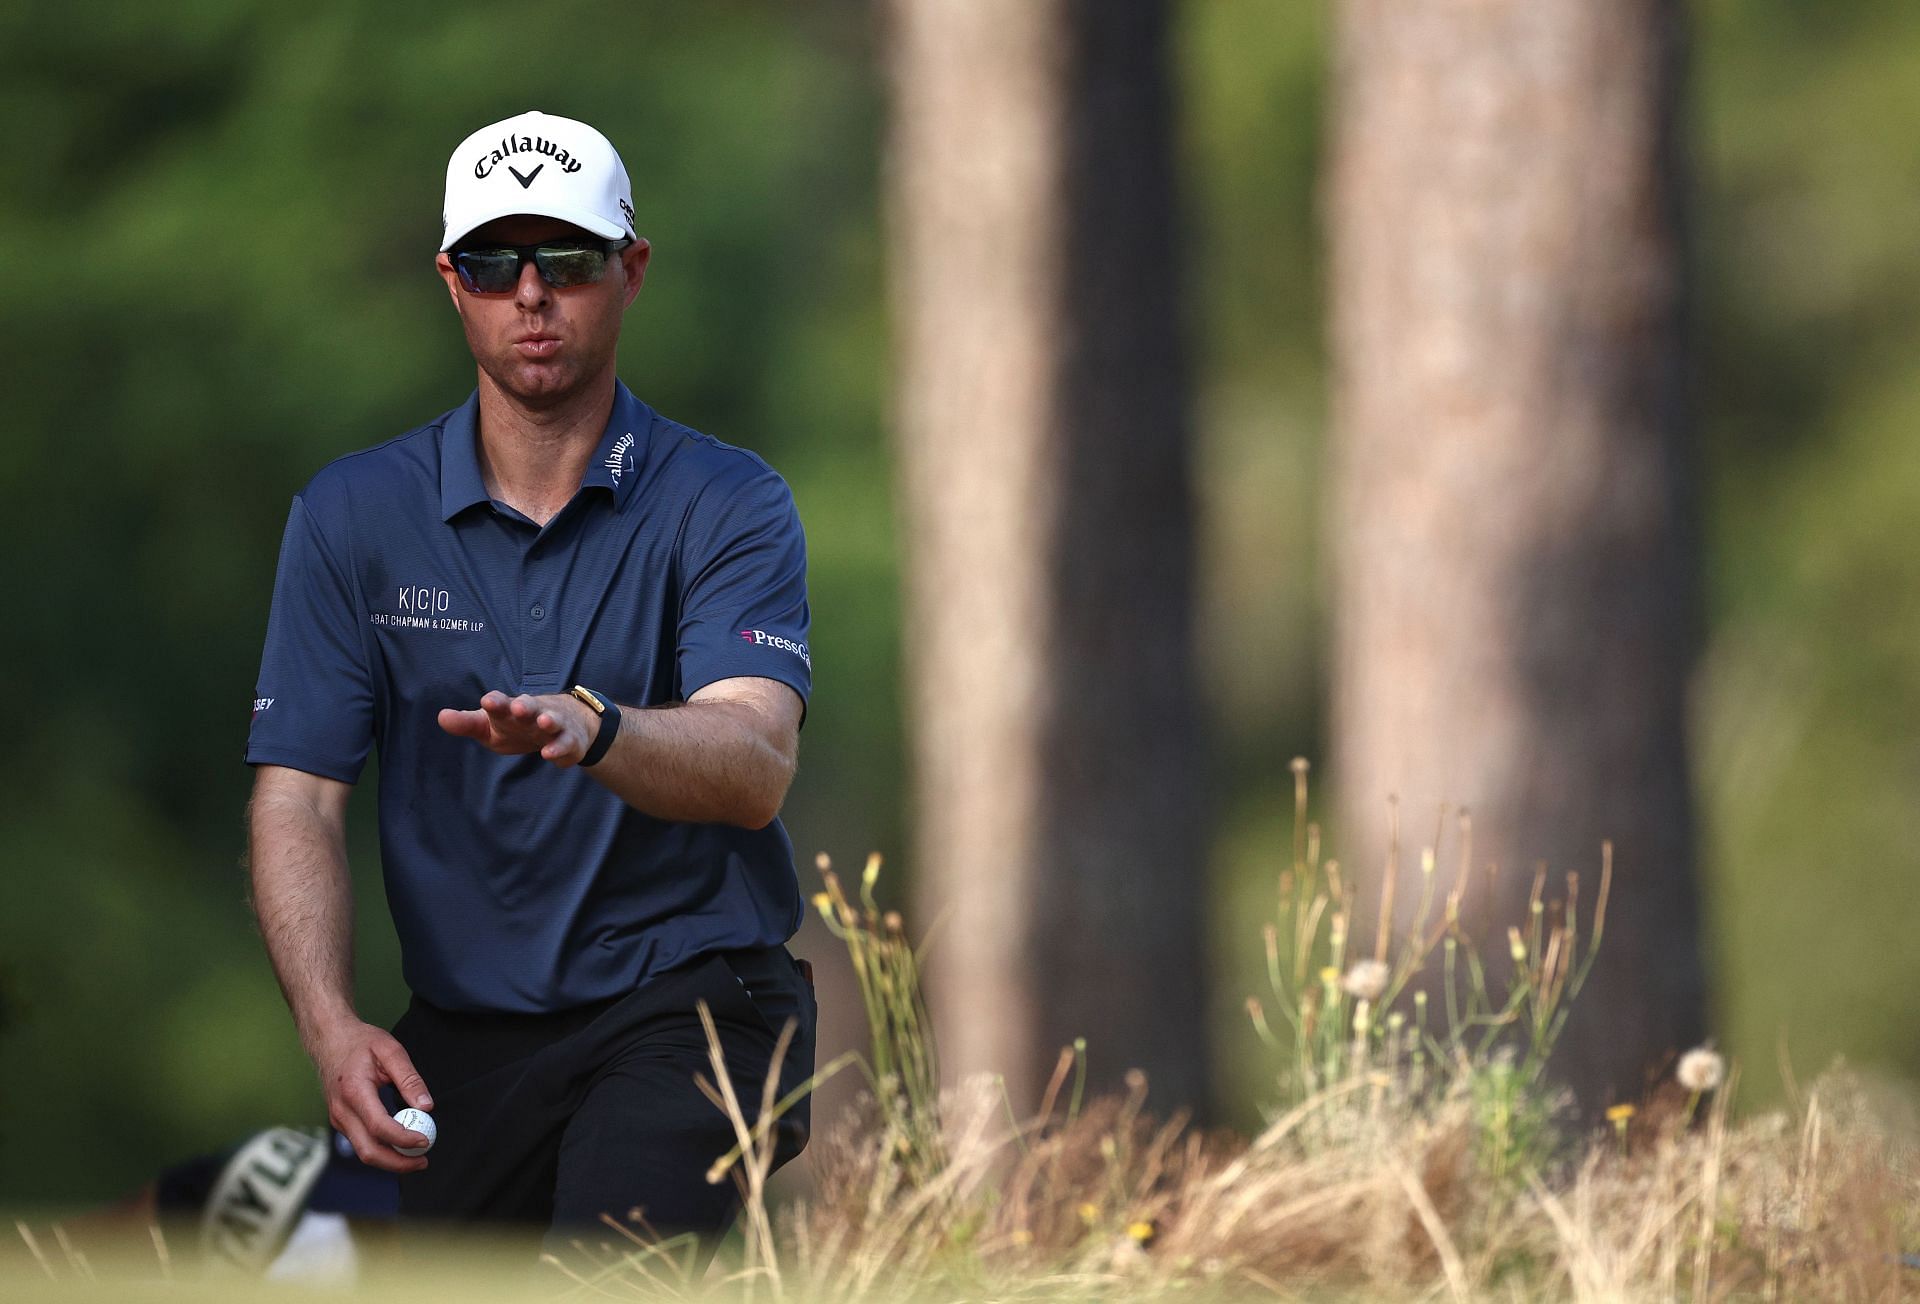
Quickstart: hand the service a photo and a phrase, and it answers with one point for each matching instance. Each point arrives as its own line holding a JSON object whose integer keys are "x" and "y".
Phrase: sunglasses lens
{"x": 563, "y": 265}
{"x": 488, "y": 271}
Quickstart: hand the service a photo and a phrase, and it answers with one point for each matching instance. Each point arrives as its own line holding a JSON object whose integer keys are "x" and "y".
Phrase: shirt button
{"x": 539, "y": 612}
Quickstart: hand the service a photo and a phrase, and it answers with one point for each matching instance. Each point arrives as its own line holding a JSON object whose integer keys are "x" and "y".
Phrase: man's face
{"x": 537, "y": 344}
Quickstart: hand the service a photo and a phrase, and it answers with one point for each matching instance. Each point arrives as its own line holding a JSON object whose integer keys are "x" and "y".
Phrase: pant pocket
{"x": 773, "y": 1000}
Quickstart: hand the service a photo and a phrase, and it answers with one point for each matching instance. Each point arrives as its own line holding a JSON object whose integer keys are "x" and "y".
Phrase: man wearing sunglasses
{"x": 576, "y": 632}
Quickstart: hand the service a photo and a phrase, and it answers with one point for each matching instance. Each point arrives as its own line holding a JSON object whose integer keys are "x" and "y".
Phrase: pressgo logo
{"x": 511, "y": 145}
{"x": 761, "y": 638}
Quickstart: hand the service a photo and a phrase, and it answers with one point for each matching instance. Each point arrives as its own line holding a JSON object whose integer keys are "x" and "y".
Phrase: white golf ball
{"x": 417, "y": 1120}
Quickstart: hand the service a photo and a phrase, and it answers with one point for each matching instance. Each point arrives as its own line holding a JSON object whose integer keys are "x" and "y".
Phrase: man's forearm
{"x": 725, "y": 756}
{"x": 303, "y": 899}
{"x": 704, "y": 762}
{"x": 297, "y": 855}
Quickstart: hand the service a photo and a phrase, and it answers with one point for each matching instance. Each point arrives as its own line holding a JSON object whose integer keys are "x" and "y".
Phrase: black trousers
{"x": 548, "y": 1121}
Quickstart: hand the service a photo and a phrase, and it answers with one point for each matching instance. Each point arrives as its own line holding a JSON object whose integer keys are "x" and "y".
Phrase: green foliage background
{"x": 221, "y": 213}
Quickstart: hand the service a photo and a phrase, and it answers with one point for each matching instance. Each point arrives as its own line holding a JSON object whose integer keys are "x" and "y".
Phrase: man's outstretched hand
{"x": 557, "y": 725}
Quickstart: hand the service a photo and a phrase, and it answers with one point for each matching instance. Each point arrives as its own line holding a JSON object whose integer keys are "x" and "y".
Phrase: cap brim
{"x": 593, "y": 222}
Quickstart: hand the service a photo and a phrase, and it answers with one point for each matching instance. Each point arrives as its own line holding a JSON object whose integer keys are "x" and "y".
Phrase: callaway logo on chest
{"x": 510, "y": 145}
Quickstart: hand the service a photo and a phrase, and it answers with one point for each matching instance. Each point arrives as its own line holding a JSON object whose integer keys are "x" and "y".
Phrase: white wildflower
{"x": 1366, "y": 980}
{"x": 1701, "y": 1069}
{"x": 1126, "y": 1253}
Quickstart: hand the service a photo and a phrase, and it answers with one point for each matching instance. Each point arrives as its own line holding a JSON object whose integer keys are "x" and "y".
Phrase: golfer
{"x": 575, "y": 633}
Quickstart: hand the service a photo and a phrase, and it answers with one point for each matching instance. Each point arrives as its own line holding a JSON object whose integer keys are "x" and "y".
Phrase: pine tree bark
{"x": 1515, "y": 517}
{"x": 1046, "y": 506}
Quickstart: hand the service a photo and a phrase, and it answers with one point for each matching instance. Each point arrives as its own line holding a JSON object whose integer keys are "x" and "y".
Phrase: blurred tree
{"x": 1047, "y": 500}
{"x": 1515, "y": 520}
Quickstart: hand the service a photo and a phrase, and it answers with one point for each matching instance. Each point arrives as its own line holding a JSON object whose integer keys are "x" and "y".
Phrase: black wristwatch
{"x": 609, "y": 713}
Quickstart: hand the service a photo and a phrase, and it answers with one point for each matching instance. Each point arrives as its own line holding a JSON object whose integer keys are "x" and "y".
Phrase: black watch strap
{"x": 609, "y": 712}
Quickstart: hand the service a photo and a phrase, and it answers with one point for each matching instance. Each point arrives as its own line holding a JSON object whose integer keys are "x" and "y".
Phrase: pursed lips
{"x": 537, "y": 346}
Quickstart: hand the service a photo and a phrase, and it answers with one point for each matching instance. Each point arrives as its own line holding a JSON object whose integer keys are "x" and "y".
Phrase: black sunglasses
{"x": 563, "y": 264}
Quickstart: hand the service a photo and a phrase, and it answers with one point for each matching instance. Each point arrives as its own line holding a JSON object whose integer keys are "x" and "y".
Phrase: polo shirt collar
{"x": 616, "y": 461}
{"x": 615, "y": 465}
{"x": 461, "y": 485}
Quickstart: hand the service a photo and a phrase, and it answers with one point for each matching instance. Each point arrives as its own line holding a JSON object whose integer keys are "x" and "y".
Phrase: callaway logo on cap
{"x": 536, "y": 163}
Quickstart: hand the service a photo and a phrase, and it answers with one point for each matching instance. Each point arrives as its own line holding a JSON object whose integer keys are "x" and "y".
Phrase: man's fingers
{"x": 356, "y": 1110}
{"x": 371, "y": 1152}
{"x": 374, "y": 1117}
{"x": 348, "y": 1124}
{"x": 392, "y": 1058}
{"x": 512, "y": 726}
{"x": 466, "y": 724}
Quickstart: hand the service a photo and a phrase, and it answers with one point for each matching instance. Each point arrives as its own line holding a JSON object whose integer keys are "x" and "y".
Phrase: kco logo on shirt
{"x": 423, "y": 600}
{"x": 425, "y": 606}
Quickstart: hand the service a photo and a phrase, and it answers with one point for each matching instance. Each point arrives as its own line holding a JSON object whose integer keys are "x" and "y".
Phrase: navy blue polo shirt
{"x": 403, "y": 588}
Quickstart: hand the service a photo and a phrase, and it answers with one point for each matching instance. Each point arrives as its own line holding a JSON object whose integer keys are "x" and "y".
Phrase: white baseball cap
{"x": 541, "y": 164}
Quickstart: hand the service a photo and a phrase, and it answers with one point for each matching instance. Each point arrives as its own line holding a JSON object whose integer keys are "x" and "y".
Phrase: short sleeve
{"x": 744, "y": 610}
{"x": 313, "y": 702}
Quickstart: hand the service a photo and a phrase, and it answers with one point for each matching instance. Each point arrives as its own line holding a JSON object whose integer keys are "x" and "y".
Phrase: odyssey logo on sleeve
{"x": 260, "y": 704}
{"x": 761, "y": 638}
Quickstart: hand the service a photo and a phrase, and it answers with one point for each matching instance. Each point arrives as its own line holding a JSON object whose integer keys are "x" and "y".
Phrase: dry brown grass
{"x": 1815, "y": 1205}
{"x": 1405, "y": 1158}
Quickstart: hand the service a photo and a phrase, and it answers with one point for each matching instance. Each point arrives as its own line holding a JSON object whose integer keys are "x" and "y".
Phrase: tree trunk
{"x": 1046, "y": 497}
{"x": 1515, "y": 514}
